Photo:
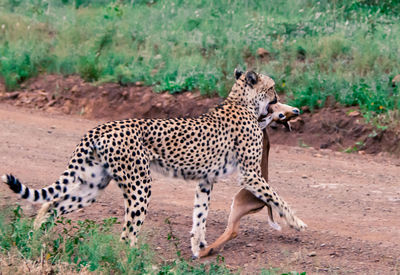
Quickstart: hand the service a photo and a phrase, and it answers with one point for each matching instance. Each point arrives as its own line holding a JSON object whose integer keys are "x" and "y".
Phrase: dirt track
{"x": 351, "y": 202}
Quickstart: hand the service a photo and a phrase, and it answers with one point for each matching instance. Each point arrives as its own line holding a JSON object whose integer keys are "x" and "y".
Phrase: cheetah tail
{"x": 37, "y": 196}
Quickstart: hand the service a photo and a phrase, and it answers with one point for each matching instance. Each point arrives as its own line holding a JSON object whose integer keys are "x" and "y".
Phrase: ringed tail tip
{"x": 12, "y": 182}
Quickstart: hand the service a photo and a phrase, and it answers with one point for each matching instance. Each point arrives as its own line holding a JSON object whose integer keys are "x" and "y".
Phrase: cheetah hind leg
{"x": 77, "y": 197}
{"x": 136, "y": 200}
{"x": 61, "y": 206}
{"x": 43, "y": 215}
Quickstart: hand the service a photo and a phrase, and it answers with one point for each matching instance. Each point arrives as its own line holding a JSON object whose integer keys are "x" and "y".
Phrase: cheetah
{"x": 203, "y": 148}
{"x": 244, "y": 202}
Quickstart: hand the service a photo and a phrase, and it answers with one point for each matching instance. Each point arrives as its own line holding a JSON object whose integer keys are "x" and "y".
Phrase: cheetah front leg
{"x": 200, "y": 213}
{"x": 257, "y": 185}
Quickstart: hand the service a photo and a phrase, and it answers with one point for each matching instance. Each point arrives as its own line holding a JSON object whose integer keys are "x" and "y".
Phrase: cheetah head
{"x": 256, "y": 91}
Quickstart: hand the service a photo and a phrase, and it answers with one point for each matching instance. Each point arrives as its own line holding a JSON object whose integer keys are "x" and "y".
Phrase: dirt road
{"x": 351, "y": 203}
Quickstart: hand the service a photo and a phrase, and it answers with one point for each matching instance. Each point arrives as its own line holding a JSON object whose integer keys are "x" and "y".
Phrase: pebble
{"x": 312, "y": 254}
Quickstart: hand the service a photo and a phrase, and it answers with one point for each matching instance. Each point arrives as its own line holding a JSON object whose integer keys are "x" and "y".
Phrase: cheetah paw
{"x": 299, "y": 225}
{"x": 296, "y": 223}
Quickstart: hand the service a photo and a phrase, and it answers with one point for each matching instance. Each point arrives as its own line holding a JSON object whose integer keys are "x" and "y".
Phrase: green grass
{"x": 72, "y": 246}
{"x": 321, "y": 52}
{"x": 86, "y": 245}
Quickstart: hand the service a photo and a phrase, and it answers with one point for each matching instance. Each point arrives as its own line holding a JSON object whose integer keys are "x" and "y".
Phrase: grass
{"x": 319, "y": 52}
{"x": 355, "y": 148}
{"x": 84, "y": 246}
{"x": 63, "y": 246}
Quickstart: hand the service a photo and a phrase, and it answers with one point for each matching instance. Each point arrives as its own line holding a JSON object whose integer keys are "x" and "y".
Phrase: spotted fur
{"x": 204, "y": 148}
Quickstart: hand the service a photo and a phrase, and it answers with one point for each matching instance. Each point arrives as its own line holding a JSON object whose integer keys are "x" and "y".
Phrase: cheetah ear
{"x": 251, "y": 78}
{"x": 237, "y": 74}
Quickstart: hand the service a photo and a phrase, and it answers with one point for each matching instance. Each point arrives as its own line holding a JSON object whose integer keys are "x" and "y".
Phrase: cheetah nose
{"x": 281, "y": 115}
{"x": 296, "y": 111}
